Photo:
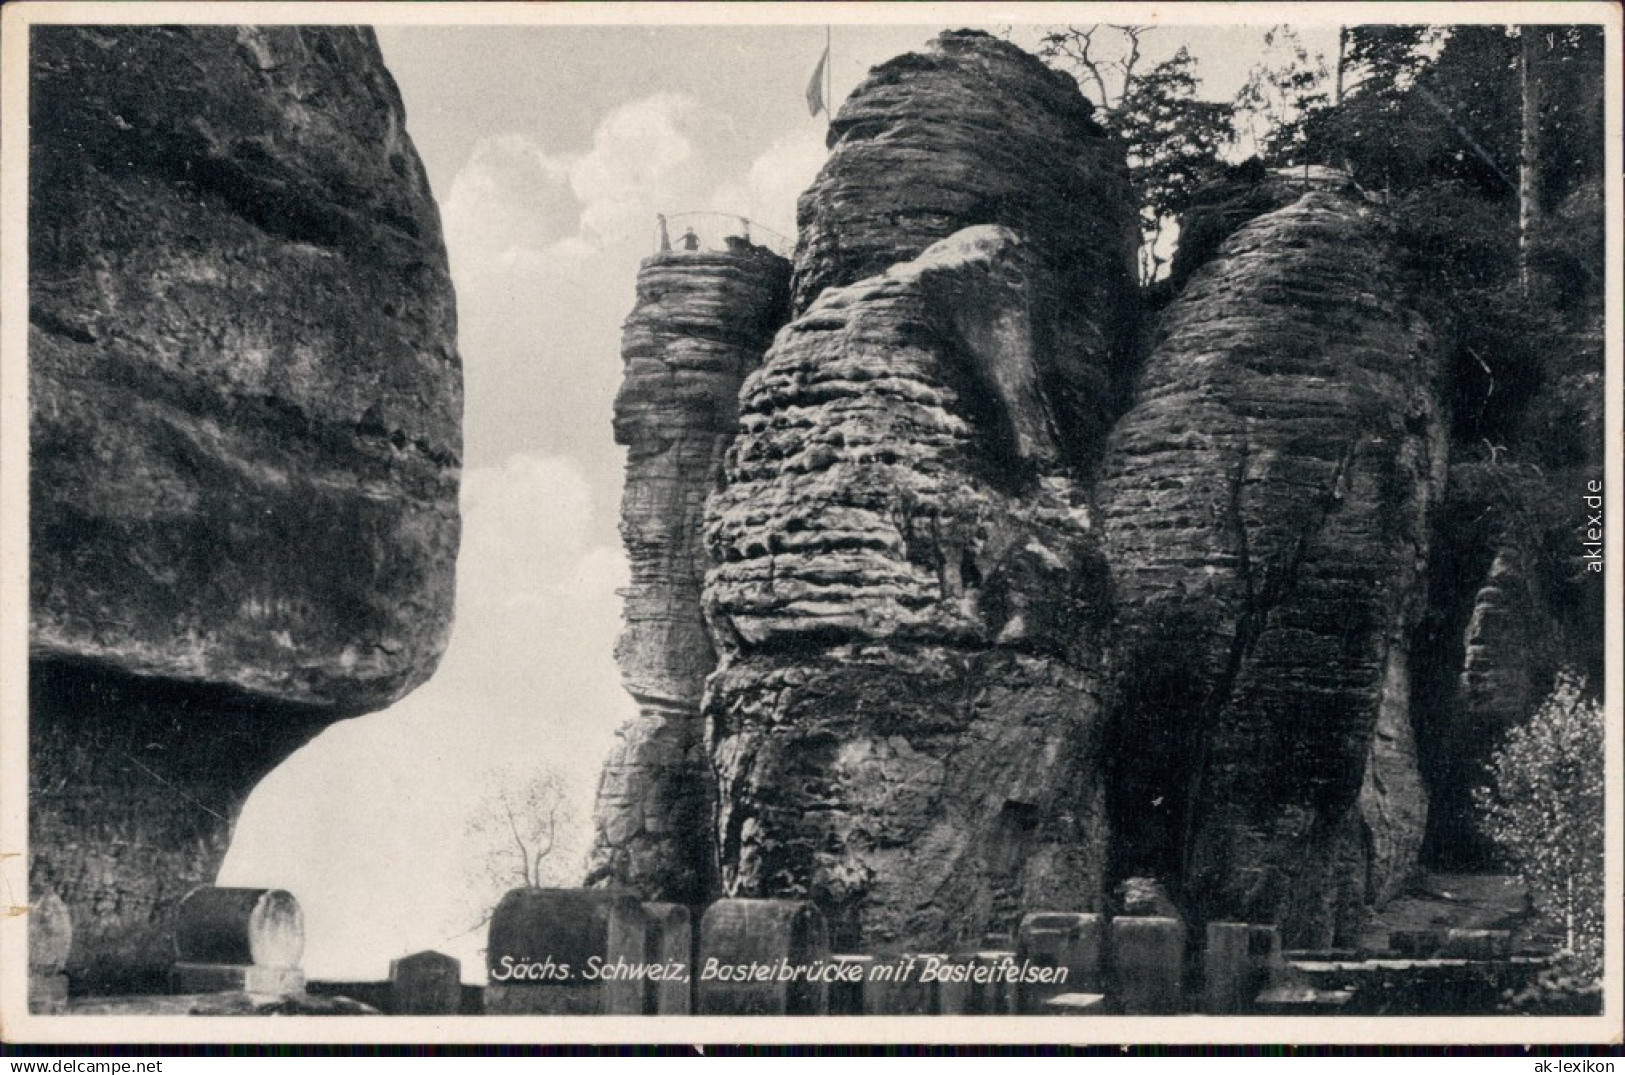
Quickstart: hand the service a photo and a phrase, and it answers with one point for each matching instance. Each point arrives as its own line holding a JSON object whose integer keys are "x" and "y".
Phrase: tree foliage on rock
{"x": 1175, "y": 141}
{"x": 1456, "y": 112}
{"x": 1545, "y": 809}
{"x": 1283, "y": 94}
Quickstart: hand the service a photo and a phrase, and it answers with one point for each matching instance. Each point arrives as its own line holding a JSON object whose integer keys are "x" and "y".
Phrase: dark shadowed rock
{"x": 906, "y": 594}
{"x": 425, "y": 983}
{"x": 976, "y": 131}
{"x": 1504, "y": 664}
{"x": 540, "y": 946}
{"x": 245, "y": 386}
{"x": 762, "y": 933}
{"x": 245, "y": 431}
{"x": 1516, "y": 594}
{"x": 701, "y": 323}
{"x": 1266, "y": 506}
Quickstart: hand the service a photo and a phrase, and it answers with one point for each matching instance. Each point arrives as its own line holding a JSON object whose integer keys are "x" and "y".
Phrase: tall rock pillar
{"x": 906, "y": 588}
{"x": 1267, "y": 507}
{"x": 701, "y": 323}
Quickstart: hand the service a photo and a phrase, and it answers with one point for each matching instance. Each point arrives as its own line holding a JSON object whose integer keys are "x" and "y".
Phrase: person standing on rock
{"x": 690, "y": 241}
{"x": 665, "y": 236}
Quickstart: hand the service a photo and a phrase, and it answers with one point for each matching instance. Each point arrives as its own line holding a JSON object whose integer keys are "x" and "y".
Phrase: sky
{"x": 549, "y": 151}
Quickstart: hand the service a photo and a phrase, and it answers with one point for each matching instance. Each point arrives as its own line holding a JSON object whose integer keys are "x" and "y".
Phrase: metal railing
{"x": 712, "y": 230}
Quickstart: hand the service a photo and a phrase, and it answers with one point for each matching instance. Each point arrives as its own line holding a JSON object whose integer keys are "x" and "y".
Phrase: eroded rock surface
{"x": 907, "y": 596}
{"x": 1265, "y": 505}
{"x": 937, "y": 706}
{"x": 976, "y": 131}
{"x": 246, "y": 406}
{"x": 1502, "y": 678}
{"x": 701, "y": 323}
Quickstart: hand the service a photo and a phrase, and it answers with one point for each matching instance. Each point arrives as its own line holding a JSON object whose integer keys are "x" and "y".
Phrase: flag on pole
{"x": 815, "y": 87}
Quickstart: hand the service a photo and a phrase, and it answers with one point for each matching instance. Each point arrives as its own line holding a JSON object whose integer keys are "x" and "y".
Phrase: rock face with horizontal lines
{"x": 1016, "y": 598}
{"x": 907, "y": 593}
{"x": 1265, "y": 505}
{"x": 908, "y": 597}
{"x": 246, "y": 440}
{"x": 972, "y": 131}
{"x": 701, "y": 323}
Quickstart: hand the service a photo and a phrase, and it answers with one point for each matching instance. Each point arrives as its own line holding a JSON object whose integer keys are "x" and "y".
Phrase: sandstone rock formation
{"x": 976, "y": 131}
{"x": 908, "y": 598}
{"x": 1501, "y": 677}
{"x": 1514, "y": 596}
{"x": 1223, "y": 205}
{"x": 1017, "y": 596}
{"x": 906, "y": 591}
{"x": 1266, "y": 510}
{"x": 245, "y": 434}
{"x": 701, "y": 323}
{"x": 901, "y": 556}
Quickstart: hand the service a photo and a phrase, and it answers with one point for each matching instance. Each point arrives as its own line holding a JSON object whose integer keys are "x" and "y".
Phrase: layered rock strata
{"x": 936, "y": 707}
{"x": 245, "y": 442}
{"x": 1502, "y": 677}
{"x": 976, "y": 131}
{"x": 905, "y": 593}
{"x": 1518, "y": 595}
{"x": 907, "y": 597}
{"x": 1266, "y": 508}
{"x": 701, "y": 323}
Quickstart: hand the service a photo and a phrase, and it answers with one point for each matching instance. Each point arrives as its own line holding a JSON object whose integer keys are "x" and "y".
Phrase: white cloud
{"x": 511, "y": 195}
{"x": 524, "y": 522}
{"x": 544, "y": 244}
{"x": 633, "y": 169}
{"x": 515, "y": 200}
{"x": 768, "y": 191}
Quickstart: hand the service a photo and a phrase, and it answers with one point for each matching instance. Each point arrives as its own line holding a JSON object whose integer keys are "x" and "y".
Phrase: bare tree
{"x": 525, "y": 835}
{"x": 1529, "y": 148}
{"x": 1106, "y": 54}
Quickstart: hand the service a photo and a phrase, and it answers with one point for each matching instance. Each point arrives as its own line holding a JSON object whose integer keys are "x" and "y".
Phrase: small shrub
{"x": 1544, "y": 811}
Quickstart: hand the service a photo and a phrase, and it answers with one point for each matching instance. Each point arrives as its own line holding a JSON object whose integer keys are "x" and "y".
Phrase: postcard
{"x": 793, "y": 522}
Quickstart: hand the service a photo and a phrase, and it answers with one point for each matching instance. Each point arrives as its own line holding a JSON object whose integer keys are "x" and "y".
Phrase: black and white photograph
{"x": 795, "y": 522}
